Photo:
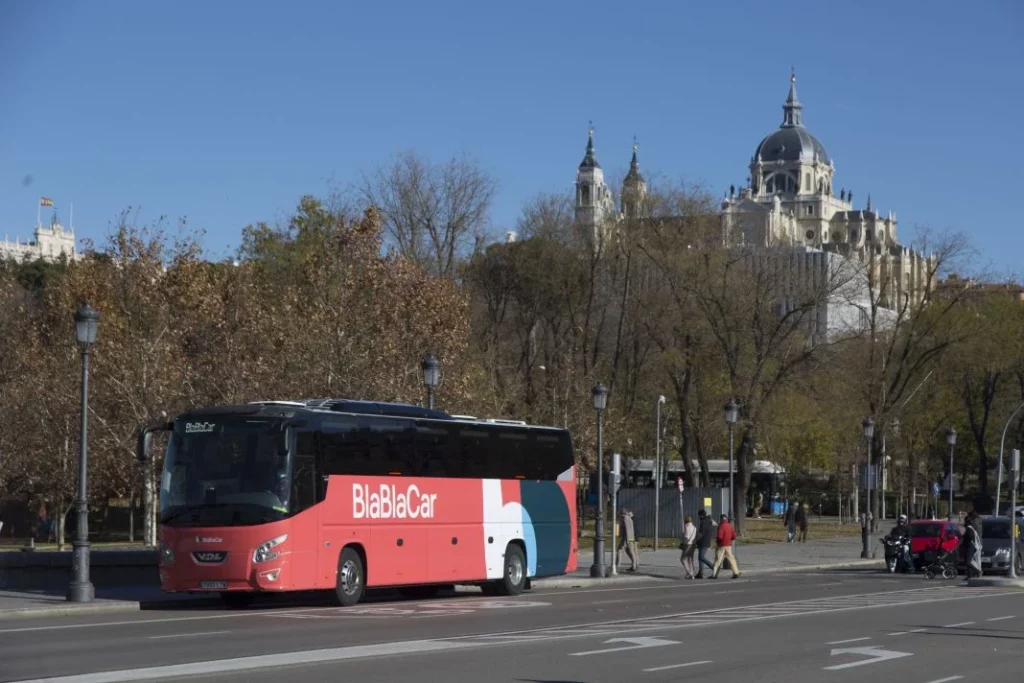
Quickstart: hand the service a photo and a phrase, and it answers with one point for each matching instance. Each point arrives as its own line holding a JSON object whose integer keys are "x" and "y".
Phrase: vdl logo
{"x": 209, "y": 557}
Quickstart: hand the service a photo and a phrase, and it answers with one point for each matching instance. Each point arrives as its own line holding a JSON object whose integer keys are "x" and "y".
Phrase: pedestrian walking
{"x": 726, "y": 536}
{"x": 688, "y": 545}
{"x": 803, "y": 519}
{"x": 627, "y": 539}
{"x": 705, "y": 534}
{"x": 972, "y": 542}
{"x": 789, "y": 521}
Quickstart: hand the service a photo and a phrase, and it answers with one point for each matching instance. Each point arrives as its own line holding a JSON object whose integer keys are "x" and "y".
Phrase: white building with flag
{"x": 49, "y": 242}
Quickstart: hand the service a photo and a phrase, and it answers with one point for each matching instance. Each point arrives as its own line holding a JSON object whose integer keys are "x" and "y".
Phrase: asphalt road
{"x": 841, "y": 626}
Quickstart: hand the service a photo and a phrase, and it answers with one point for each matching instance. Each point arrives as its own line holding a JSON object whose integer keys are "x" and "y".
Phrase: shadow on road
{"x": 272, "y": 601}
{"x": 968, "y": 632}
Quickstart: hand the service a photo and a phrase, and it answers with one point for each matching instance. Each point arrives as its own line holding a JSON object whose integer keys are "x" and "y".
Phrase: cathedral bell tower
{"x": 634, "y": 189}
{"x": 594, "y": 206}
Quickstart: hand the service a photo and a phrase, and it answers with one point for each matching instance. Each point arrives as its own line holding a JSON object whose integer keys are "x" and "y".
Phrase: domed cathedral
{"x": 790, "y": 201}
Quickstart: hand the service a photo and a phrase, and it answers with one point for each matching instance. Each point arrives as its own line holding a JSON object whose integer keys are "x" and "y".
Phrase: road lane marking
{"x": 962, "y": 623}
{"x": 946, "y": 680}
{"x": 677, "y": 666}
{"x": 662, "y": 584}
{"x": 1000, "y": 618}
{"x": 875, "y": 654}
{"x": 638, "y": 643}
{"x": 849, "y": 640}
{"x": 903, "y": 633}
{"x": 172, "y": 620}
{"x": 256, "y": 663}
{"x": 189, "y": 635}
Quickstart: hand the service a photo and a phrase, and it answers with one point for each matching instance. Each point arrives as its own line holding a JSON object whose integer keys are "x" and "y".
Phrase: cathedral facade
{"x": 789, "y": 202}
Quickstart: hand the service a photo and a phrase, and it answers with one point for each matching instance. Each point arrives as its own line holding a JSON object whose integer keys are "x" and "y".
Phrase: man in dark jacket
{"x": 705, "y": 534}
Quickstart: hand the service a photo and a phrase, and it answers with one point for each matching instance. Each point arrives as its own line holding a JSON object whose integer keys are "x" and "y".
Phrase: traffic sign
{"x": 935, "y": 488}
{"x": 679, "y": 484}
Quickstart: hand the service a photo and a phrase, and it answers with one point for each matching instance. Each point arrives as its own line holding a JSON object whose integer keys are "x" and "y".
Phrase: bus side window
{"x": 471, "y": 454}
{"x": 305, "y": 492}
{"x": 346, "y": 449}
{"x": 393, "y": 447}
{"x": 436, "y": 452}
{"x": 511, "y": 446}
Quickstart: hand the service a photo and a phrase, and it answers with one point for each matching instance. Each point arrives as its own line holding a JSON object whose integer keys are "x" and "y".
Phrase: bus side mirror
{"x": 146, "y": 435}
{"x": 142, "y": 447}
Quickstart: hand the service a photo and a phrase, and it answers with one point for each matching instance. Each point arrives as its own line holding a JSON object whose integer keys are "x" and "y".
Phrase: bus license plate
{"x": 213, "y": 585}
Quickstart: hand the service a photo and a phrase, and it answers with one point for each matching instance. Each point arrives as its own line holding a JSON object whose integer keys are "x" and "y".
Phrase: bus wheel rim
{"x": 515, "y": 570}
{"x": 349, "y": 578}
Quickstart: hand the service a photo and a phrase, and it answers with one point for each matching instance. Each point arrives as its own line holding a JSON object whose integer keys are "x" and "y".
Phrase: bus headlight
{"x": 265, "y": 552}
{"x": 166, "y": 554}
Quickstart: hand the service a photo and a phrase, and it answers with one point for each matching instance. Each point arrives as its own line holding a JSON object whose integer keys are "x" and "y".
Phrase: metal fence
{"x": 673, "y": 506}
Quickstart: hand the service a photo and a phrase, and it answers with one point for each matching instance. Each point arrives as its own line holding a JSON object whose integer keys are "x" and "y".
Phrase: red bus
{"x": 345, "y": 495}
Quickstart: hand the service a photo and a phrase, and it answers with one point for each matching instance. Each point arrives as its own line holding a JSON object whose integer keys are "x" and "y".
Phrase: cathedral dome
{"x": 791, "y": 142}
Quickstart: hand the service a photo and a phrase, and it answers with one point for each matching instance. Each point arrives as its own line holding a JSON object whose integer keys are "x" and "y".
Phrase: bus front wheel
{"x": 349, "y": 585}
{"x": 514, "y": 580}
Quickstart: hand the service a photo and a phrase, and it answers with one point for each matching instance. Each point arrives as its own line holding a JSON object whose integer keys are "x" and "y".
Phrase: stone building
{"x": 48, "y": 244}
{"x": 791, "y": 200}
{"x": 789, "y": 204}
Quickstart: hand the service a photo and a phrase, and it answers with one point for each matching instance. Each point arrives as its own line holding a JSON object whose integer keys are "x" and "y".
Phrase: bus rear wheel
{"x": 349, "y": 585}
{"x": 514, "y": 580}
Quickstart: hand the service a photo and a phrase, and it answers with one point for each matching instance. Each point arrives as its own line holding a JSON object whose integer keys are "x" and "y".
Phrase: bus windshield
{"x": 225, "y": 472}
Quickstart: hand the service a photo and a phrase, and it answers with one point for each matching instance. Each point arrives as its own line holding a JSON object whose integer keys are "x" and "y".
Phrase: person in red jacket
{"x": 726, "y": 536}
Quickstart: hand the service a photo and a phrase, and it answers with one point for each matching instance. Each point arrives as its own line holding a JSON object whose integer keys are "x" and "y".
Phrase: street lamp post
{"x": 431, "y": 377}
{"x": 869, "y": 432}
{"x": 951, "y": 440}
{"x": 1002, "y": 443}
{"x": 732, "y": 414}
{"x": 657, "y": 470}
{"x": 600, "y": 395}
{"x": 81, "y": 589}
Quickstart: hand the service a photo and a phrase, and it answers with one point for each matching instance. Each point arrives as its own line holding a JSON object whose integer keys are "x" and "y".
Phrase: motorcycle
{"x": 897, "y": 554}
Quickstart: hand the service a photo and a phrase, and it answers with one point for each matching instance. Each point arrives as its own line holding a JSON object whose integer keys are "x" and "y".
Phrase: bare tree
{"x": 431, "y": 212}
{"x": 763, "y": 306}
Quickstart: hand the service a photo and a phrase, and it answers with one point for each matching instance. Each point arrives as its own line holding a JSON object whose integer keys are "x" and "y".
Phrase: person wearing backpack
{"x": 705, "y": 534}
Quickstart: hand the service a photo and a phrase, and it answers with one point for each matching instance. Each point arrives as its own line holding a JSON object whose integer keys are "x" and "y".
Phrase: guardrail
{"x": 47, "y": 570}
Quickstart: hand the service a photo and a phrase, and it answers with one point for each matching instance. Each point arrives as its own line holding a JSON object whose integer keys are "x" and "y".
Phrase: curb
{"x": 587, "y": 581}
{"x": 106, "y": 607}
{"x": 996, "y": 582}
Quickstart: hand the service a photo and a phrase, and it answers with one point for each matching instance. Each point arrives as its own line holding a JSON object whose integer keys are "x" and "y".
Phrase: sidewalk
{"x": 759, "y": 558}
{"x": 15, "y": 604}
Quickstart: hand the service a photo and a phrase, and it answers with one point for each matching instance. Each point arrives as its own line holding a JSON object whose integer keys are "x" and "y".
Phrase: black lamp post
{"x": 81, "y": 588}
{"x": 951, "y": 440}
{"x": 431, "y": 377}
{"x": 600, "y": 395}
{"x": 732, "y": 414}
{"x": 869, "y": 432}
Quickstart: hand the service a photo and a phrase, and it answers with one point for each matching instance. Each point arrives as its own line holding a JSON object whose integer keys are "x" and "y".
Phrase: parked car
{"x": 930, "y": 538}
{"x": 995, "y": 544}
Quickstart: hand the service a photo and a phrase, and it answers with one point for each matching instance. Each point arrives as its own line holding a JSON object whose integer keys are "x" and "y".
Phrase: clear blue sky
{"x": 227, "y": 112}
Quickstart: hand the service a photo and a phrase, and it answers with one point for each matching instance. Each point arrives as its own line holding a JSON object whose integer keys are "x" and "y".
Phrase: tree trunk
{"x": 62, "y": 513}
{"x": 147, "y": 501}
{"x": 744, "y": 463}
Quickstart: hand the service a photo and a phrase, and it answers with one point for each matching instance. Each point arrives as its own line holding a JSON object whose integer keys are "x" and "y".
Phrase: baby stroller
{"x": 942, "y": 563}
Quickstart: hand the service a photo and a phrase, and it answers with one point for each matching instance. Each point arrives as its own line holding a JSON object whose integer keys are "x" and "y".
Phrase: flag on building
{"x": 45, "y": 201}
